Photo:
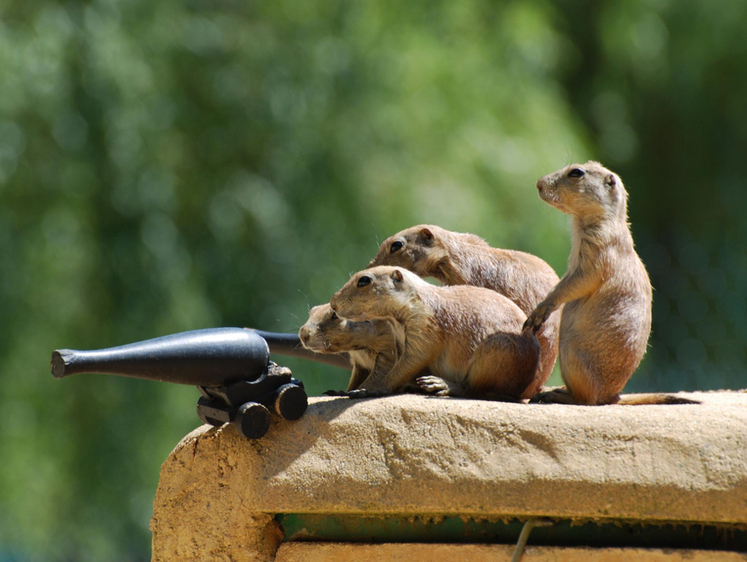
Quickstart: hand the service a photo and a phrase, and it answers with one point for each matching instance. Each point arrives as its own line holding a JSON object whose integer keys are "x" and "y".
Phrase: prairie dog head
{"x": 421, "y": 249}
{"x": 416, "y": 248}
{"x": 325, "y": 332}
{"x": 584, "y": 190}
{"x": 376, "y": 293}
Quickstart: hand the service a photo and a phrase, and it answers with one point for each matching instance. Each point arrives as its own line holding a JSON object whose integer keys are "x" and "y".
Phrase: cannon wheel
{"x": 252, "y": 420}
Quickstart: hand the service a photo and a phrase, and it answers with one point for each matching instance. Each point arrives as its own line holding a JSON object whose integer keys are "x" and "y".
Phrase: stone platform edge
{"x": 422, "y": 456}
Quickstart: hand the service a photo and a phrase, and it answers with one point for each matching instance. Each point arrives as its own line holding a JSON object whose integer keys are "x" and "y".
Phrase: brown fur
{"x": 456, "y": 258}
{"x": 469, "y": 338}
{"x": 606, "y": 319}
{"x": 370, "y": 345}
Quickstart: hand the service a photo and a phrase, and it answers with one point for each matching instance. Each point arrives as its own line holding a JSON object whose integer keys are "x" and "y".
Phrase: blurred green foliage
{"x": 168, "y": 166}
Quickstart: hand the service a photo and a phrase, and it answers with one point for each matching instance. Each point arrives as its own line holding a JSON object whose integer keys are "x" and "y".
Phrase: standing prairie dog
{"x": 469, "y": 338}
{"x": 606, "y": 319}
{"x": 370, "y": 345}
{"x": 455, "y": 258}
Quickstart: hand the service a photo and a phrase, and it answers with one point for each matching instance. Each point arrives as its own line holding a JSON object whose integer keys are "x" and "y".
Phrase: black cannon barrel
{"x": 210, "y": 357}
{"x": 290, "y": 345}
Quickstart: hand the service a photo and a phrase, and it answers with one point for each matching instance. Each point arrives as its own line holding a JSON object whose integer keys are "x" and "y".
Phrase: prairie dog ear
{"x": 610, "y": 181}
{"x": 397, "y": 275}
{"x": 426, "y": 234}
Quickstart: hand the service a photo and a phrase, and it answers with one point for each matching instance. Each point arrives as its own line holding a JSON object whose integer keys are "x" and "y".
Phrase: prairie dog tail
{"x": 652, "y": 399}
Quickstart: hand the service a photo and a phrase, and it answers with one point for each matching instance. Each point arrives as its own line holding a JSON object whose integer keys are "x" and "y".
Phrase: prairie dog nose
{"x": 304, "y": 334}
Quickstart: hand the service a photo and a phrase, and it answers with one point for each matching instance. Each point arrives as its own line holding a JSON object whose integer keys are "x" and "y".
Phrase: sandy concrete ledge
{"x": 418, "y": 455}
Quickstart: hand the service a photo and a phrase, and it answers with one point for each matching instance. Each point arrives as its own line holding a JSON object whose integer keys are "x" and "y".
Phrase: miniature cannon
{"x": 230, "y": 366}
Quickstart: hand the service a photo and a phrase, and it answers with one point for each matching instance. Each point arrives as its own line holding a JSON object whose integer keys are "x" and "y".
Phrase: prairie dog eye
{"x": 576, "y": 173}
{"x": 396, "y": 246}
{"x": 364, "y": 280}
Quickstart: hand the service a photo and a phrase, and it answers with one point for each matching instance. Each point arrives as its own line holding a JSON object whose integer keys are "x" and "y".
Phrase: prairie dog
{"x": 606, "y": 319}
{"x": 290, "y": 345}
{"x": 469, "y": 338}
{"x": 456, "y": 258}
{"x": 369, "y": 344}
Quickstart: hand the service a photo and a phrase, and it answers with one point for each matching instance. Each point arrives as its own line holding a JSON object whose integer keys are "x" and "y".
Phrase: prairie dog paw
{"x": 537, "y": 317}
{"x": 364, "y": 393}
{"x": 435, "y": 385}
{"x": 555, "y": 396}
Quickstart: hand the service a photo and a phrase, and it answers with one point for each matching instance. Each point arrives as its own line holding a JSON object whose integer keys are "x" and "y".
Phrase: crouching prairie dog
{"x": 606, "y": 319}
{"x": 371, "y": 346}
{"x": 455, "y": 258}
{"x": 469, "y": 338}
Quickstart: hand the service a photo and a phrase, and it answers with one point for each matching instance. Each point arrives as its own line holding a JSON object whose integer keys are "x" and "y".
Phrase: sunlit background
{"x": 172, "y": 165}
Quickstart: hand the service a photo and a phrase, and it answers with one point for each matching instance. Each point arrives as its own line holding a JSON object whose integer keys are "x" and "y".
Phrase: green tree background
{"x": 175, "y": 165}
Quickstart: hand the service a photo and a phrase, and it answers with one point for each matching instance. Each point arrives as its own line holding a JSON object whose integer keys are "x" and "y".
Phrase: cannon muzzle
{"x": 211, "y": 357}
